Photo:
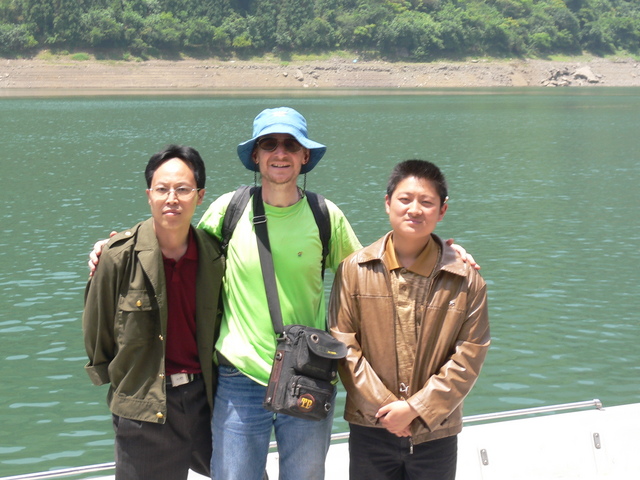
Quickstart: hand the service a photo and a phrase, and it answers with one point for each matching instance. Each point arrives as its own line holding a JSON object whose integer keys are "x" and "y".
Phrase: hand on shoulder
{"x": 464, "y": 255}
{"x": 94, "y": 255}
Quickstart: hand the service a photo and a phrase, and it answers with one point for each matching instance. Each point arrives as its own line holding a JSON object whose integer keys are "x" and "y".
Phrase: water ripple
{"x": 45, "y": 458}
{"x": 34, "y": 405}
{"x": 553, "y": 225}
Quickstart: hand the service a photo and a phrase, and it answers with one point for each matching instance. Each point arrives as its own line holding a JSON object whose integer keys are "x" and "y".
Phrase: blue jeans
{"x": 242, "y": 427}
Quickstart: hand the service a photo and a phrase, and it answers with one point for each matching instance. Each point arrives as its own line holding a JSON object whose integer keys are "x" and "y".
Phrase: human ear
{"x": 443, "y": 210}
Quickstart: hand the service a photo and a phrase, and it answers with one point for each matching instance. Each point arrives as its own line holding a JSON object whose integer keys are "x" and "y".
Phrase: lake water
{"x": 544, "y": 192}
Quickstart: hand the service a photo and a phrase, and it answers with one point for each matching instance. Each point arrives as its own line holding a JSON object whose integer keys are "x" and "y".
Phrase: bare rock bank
{"x": 18, "y": 76}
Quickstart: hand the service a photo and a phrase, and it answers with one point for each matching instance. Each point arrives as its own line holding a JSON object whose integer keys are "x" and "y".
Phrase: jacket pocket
{"x": 137, "y": 320}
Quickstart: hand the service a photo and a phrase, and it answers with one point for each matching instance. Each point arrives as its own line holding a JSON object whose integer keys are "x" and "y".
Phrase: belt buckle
{"x": 178, "y": 379}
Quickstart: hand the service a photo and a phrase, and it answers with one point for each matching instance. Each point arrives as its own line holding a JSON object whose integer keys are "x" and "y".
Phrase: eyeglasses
{"x": 182, "y": 193}
{"x": 269, "y": 144}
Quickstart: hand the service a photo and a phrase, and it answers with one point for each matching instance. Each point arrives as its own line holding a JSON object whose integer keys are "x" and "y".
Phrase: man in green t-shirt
{"x": 280, "y": 150}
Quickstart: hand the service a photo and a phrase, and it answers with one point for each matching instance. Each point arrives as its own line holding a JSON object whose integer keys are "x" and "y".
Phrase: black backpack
{"x": 239, "y": 202}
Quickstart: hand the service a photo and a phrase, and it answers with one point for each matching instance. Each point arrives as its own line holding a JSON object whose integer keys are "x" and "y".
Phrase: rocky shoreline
{"x": 65, "y": 76}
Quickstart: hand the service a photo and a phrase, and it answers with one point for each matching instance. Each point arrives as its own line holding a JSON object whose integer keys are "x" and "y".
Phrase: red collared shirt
{"x": 182, "y": 346}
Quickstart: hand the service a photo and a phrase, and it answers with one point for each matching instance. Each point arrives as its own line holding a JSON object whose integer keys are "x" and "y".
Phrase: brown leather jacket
{"x": 452, "y": 341}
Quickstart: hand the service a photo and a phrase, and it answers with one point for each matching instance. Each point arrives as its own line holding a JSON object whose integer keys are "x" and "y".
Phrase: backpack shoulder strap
{"x": 234, "y": 211}
{"x": 323, "y": 220}
{"x": 240, "y": 200}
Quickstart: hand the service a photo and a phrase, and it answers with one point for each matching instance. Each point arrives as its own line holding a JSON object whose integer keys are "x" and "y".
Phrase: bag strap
{"x": 323, "y": 220}
{"x": 240, "y": 199}
{"x": 234, "y": 212}
{"x": 266, "y": 262}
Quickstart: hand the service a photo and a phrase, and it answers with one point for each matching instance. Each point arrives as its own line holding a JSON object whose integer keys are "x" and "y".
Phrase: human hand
{"x": 94, "y": 255}
{"x": 396, "y": 417}
{"x": 464, "y": 255}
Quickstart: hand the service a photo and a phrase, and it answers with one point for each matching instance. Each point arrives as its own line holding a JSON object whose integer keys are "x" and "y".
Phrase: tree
{"x": 410, "y": 34}
{"x": 318, "y": 34}
{"x": 358, "y": 28}
{"x": 101, "y": 29}
{"x": 456, "y": 30}
{"x": 237, "y": 29}
{"x": 163, "y": 31}
{"x": 67, "y": 15}
{"x": 16, "y": 38}
{"x": 292, "y": 18}
{"x": 553, "y": 28}
{"x": 415, "y": 29}
{"x": 263, "y": 24}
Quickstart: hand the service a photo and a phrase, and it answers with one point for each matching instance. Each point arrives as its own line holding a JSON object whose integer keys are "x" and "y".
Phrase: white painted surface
{"x": 585, "y": 445}
{"x": 551, "y": 447}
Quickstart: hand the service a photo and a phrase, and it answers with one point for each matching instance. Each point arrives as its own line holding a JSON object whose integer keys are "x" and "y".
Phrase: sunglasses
{"x": 269, "y": 144}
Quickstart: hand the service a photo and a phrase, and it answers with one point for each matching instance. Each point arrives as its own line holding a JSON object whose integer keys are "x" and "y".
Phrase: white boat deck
{"x": 585, "y": 445}
{"x": 592, "y": 444}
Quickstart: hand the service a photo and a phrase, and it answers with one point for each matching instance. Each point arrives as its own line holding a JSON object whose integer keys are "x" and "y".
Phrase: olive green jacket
{"x": 125, "y": 321}
{"x": 452, "y": 340}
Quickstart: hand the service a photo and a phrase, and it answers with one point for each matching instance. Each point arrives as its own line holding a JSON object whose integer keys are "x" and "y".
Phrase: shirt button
{"x": 161, "y": 375}
{"x": 139, "y": 303}
{"x": 160, "y": 415}
{"x": 161, "y": 337}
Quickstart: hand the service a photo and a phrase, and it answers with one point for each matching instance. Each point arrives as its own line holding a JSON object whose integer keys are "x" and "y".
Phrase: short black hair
{"x": 419, "y": 169}
{"x": 188, "y": 155}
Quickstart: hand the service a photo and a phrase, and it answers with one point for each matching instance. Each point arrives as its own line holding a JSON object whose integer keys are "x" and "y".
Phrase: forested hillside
{"x": 417, "y": 30}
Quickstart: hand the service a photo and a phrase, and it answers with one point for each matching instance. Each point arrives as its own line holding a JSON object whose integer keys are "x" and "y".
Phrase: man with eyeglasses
{"x": 149, "y": 322}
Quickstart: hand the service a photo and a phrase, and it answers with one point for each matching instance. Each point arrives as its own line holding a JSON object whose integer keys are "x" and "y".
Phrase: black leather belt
{"x": 178, "y": 379}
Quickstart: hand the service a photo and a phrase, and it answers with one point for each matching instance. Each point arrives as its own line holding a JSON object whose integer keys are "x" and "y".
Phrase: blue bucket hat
{"x": 281, "y": 120}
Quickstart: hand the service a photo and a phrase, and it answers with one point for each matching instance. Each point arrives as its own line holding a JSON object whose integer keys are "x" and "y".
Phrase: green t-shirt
{"x": 247, "y": 338}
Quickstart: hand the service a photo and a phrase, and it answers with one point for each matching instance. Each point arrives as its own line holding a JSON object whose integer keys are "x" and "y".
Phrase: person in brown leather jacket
{"x": 414, "y": 318}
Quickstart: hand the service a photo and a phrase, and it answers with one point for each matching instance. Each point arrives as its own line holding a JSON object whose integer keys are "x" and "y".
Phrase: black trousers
{"x": 153, "y": 451}
{"x": 376, "y": 454}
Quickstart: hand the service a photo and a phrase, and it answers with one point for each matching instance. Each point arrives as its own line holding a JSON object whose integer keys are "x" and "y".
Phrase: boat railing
{"x": 64, "y": 472}
{"x": 595, "y": 403}
{"x": 335, "y": 438}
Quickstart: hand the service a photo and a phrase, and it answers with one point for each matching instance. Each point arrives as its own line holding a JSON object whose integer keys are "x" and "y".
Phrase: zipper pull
{"x": 410, "y": 445}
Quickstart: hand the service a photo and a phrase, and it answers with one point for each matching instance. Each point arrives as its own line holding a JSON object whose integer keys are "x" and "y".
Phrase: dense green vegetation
{"x": 394, "y": 29}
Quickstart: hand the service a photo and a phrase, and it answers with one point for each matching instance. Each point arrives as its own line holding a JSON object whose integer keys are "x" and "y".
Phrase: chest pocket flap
{"x": 135, "y": 301}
